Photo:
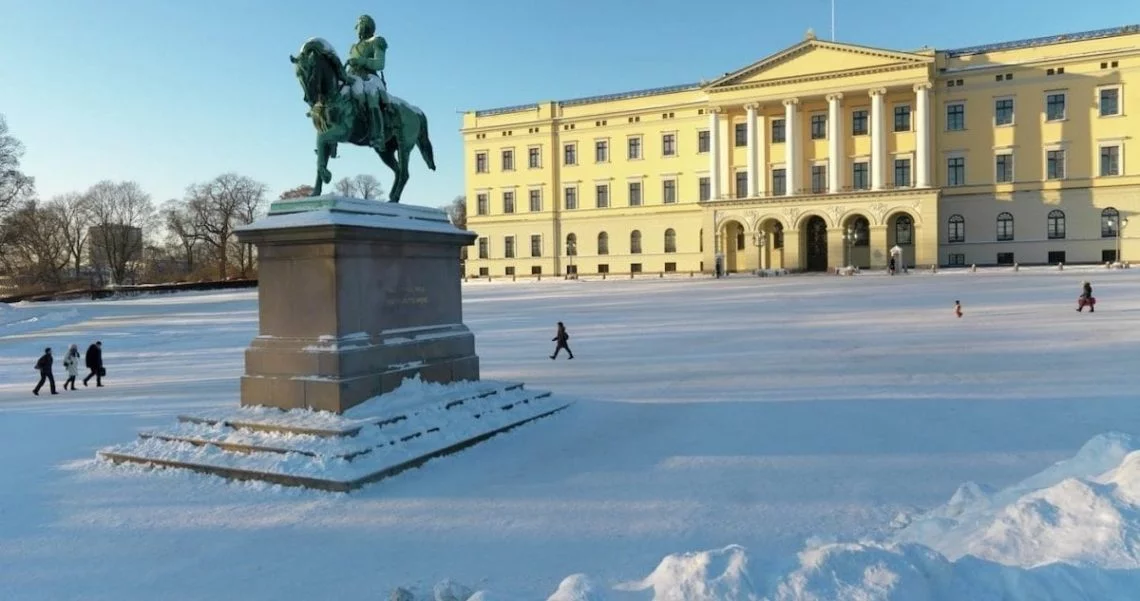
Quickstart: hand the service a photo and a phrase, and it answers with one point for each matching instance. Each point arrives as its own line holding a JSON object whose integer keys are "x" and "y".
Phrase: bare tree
{"x": 34, "y": 244}
{"x": 15, "y": 187}
{"x": 182, "y": 233}
{"x": 361, "y": 186}
{"x": 75, "y": 221}
{"x": 303, "y": 191}
{"x": 249, "y": 209}
{"x": 216, "y": 208}
{"x": 120, "y": 212}
{"x": 457, "y": 211}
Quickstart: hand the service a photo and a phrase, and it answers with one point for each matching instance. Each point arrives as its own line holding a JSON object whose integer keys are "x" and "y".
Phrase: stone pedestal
{"x": 354, "y": 296}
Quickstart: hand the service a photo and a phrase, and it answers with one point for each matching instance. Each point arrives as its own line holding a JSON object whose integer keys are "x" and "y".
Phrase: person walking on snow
{"x": 561, "y": 337}
{"x": 1086, "y": 298}
{"x": 71, "y": 364}
{"x": 44, "y": 367}
{"x": 94, "y": 362}
{"x": 958, "y": 308}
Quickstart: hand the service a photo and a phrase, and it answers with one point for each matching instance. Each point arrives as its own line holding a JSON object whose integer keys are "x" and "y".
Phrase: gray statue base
{"x": 354, "y": 296}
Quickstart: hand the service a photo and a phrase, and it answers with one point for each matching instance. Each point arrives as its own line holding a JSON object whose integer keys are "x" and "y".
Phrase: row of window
{"x": 1052, "y": 257}
{"x": 1054, "y": 226}
{"x": 509, "y": 270}
{"x": 603, "y": 244}
{"x": 1056, "y": 108}
{"x": 1056, "y": 165}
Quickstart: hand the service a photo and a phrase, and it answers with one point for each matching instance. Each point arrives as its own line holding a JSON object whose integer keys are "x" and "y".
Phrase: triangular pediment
{"x": 813, "y": 58}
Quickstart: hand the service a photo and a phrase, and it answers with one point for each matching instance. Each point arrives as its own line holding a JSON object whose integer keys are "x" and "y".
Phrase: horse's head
{"x": 317, "y": 68}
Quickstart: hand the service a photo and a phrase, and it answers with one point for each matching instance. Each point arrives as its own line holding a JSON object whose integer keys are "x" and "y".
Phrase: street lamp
{"x": 571, "y": 250}
{"x": 759, "y": 238}
{"x": 849, "y": 236}
{"x": 1119, "y": 230}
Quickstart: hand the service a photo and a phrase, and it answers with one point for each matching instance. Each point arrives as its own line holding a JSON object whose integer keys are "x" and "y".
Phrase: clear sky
{"x": 173, "y": 92}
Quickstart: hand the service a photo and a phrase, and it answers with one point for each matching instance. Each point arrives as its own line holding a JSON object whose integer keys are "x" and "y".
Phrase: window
{"x": 902, "y": 173}
{"x": 536, "y": 269}
{"x": 740, "y": 240}
{"x": 603, "y": 268}
{"x": 704, "y": 188}
{"x": 818, "y": 179}
{"x": 902, "y": 117}
{"x": 535, "y": 198}
{"x": 904, "y": 230}
{"x": 956, "y": 116}
{"x": 508, "y": 160}
{"x": 778, "y": 235}
{"x": 483, "y": 248}
{"x": 601, "y": 151}
{"x": 481, "y": 162}
{"x": 1108, "y": 255}
{"x": 534, "y": 157}
{"x": 860, "y": 179}
{"x": 1109, "y": 102}
{"x": 484, "y": 271}
{"x": 1109, "y": 222}
{"x": 1055, "y": 164}
{"x": 571, "y": 245}
{"x": 1109, "y": 160}
{"x": 1055, "y": 225}
{"x": 1003, "y": 168}
{"x": 570, "y": 198}
{"x": 1004, "y": 227}
{"x": 742, "y": 184}
{"x": 482, "y": 204}
{"x": 1055, "y": 257}
{"x": 669, "y": 191}
{"x": 570, "y": 154}
{"x": 669, "y": 145}
{"x": 670, "y": 267}
{"x": 818, "y": 127}
{"x": 536, "y": 245}
{"x": 1055, "y": 106}
{"x": 635, "y": 267}
{"x": 1003, "y": 111}
{"x": 635, "y": 194}
{"x": 956, "y": 260}
{"x": 670, "y": 241}
{"x": 634, "y": 148}
{"x": 603, "y": 243}
{"x": 956, "y": 171}
{"x": 508, "y": 202}
{"x": 602, "y": 196}
{"x": 635, "y": 242}
{"x": 859, "y": 123}
{"x": 861, "y": 228}
{"x": 703, "y": 140}
{"x": 778, "y": 131}
{"x": 509, "y": 247}
{"x": 740, "y": 134}
{"x": 779, "y": 182}
{"x": 956, "y": 229}
{"x": 1005, "y": 258}
{"x": 701, "y": 240}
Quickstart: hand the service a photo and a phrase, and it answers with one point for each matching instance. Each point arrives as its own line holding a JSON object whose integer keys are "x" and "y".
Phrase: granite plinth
{"x": 354, "y": 296}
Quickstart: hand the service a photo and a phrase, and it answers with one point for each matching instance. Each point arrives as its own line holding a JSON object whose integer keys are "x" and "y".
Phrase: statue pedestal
{"x": 354, "y": 296}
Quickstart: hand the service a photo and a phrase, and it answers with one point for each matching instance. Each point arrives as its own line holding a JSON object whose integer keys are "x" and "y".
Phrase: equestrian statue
{"x": 350, "y": 103}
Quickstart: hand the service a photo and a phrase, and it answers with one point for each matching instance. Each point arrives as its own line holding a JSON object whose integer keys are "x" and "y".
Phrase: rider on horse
{"x": 366, "y": 61}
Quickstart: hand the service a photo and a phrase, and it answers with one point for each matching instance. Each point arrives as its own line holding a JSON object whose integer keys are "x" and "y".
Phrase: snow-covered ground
{"x": 785, "y": 438}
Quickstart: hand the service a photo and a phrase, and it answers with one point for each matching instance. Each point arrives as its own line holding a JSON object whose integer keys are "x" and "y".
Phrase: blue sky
{"x": 173, "y": 92}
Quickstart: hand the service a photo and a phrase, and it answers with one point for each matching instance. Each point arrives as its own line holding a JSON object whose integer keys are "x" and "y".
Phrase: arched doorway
{"x": 857, "y": 241}
{"x": 733, "y": 242}
{"x": 815, "y": 244}
{"x": 772, "y": 253}
{"x": 900, "y": 232}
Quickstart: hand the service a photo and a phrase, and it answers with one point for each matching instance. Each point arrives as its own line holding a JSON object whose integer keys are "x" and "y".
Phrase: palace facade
{"x": 823, "y": 155}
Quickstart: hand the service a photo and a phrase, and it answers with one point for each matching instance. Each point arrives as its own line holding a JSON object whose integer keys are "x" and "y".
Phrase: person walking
{"x": 1086, "y": 298}
{"x": 71, "y": 364}
{"x": 958, "y": 308}
{"x": 44, "y": 367}
{"x": 560, "y": 337}
{"x": 94, "y": 361}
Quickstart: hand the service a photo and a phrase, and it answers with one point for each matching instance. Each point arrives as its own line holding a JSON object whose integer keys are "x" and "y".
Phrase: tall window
{"x": 740, "y": 134}
{"x": 669, "y": 145}
{"x": 634, "y": 148}
{"x": 902, "y": 117}
{"x": 1109, "y": 222}
{"x": 483, "y": 248}
{"x": 1003, "y": 168}
{"x": 859, "y": 175}
{"x": 601, "y": 151}
{"x": 779, "y": 182}
{"x": 956, "y": 116}
{"x": 481, "y": 162}
{"x": 635, "y": 242}
{"x": 508, "y": 160}
{"x": 669, "y": 191}
{"x": 704, "y": 189}
{"x": 602, "y": 196}
{"x": 534, "y": 157}
{"x": 1109, "y": 160}
{"x": 1055, "y": 164}
{"x": 509, "y": 247}
{"x": 570, "y": 198}
{"x": 508, "y": 202}
{"x": 635, "y": 194}
{"x": 902, "y": 173}
{"x": 670, "y": 241}
{"x": 1055, "y": 224}
{"x": 818, "y": 179}
{"x": 818, "y": 127}
{"x": 703, "y": 141}
{"x": 778, "y": 131}
{"x": 742, "y": 184}
{"x": 1055, "y": 106}
{"x": 536, "y": 245}
{"x": 571, "y": 245}
{"x": 570, "y": 154}
{"x": 482, "y": 204}
{"x": 1003, "y": 111}
{"x": 1109, "y": 102}
{"x": 956, "y": 229}
{"x": 862, "y": 231}
{"x": 1004, "y": 227}
{"x": 859, "y": 123}
{"x": 904, "y": 230}
{"x": 535, "y": 200}
{"x": 603, "y": 243}
{"x": 956, "y": 171}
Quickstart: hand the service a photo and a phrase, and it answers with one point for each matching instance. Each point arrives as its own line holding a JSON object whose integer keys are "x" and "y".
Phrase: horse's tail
{"x": 425, "y": 143}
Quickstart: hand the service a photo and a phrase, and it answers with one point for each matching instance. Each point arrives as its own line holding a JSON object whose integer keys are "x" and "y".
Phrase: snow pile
{"x": 865, "y": 572}
{"x": 720, "y": 575}
{"x": 576, "y": 587}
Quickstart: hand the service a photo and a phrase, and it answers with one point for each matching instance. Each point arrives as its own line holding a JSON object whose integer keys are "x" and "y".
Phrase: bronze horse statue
{"x": 340, "y": 117}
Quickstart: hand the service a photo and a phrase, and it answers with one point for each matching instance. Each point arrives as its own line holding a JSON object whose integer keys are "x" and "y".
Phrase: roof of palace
{"x": 981, "y": 49}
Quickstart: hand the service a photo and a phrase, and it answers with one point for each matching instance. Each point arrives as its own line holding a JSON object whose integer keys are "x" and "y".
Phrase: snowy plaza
{"x": 783, "y": 438}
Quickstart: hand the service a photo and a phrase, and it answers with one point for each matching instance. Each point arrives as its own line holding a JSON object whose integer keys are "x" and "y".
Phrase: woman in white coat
{"x": 71, "y": 364}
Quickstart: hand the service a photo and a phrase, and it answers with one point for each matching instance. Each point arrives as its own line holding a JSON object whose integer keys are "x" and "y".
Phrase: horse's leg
{"x": 405, "y": 152}
{"x": 324, "y": 176}
{"x": 389, "y": 158}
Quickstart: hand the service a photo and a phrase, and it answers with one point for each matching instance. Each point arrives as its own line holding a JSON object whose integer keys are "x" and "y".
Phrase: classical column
{"x": 792, "y": 145}
{"x": 761, "y": 156}
{"x": 753, "y": 149}
{"x": 834, "y": 143}
{"x": 714, "y": 153}
{"x": 922, "y": 131}
{"x": 878, "y": 138}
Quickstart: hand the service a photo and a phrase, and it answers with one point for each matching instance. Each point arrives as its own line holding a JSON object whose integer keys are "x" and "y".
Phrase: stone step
{"x": 336, "y": 471}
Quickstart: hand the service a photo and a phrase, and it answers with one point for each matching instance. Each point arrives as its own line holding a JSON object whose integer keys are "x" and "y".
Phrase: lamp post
{"x": 849, "y": 237}
{"x": 571, "y": 250}
{"x": 759, "y": 238}
{"x": 1119, "y": 230}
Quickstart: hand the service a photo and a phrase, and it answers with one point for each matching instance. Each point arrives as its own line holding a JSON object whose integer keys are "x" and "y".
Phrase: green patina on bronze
{"x": 349, "y": 103}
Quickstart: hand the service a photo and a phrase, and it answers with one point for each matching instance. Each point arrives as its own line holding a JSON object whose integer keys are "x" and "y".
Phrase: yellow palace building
{"x": 823, "y": 155}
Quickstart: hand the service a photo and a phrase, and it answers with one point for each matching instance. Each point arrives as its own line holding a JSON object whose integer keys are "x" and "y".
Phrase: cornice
{"x": 820, "y": 77}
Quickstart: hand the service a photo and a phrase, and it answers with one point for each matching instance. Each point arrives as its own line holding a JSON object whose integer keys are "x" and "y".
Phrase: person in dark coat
{"x": 1086, "y": 298}
{"x": 560, "y": 338}
{"x": 44, "y": 367}
{"x": 94, "y": 362}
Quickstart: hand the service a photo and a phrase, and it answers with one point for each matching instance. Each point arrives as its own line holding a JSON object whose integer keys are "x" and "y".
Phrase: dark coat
{"x": 44, "y": 363}
{"x": 1086, "y": 291}
{"x": 94, "y": 357}
{"x": 561, "y": 336}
